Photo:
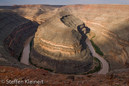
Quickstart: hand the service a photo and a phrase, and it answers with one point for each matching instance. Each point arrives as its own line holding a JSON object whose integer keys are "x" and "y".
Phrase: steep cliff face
{"x": 14, "y": 30}
{"x": 110, "y": 26}
{"x": 59, "y": 46}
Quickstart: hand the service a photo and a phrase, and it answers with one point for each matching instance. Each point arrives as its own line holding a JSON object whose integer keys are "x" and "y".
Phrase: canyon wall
{"x": 14, "y": 30}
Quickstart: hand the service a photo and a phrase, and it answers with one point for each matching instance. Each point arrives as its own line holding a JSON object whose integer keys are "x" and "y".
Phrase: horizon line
{"x": 61, "y": 5}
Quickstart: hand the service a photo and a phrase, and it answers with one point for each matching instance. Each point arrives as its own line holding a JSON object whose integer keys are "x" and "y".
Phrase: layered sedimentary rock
{"x": 59, "y": 45}
{"x": 14, "y": 30}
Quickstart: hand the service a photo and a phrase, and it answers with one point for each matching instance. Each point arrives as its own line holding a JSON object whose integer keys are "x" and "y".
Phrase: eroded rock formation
{"x": 59, "y": 45}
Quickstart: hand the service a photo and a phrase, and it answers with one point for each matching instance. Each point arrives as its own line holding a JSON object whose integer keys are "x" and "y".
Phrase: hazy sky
{"x": 62, "y": 2}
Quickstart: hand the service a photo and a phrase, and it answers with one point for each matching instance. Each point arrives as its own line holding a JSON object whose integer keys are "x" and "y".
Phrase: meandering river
{"x": 104, "y": 63}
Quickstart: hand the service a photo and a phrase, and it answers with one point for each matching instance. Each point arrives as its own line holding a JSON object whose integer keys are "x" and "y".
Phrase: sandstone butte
{"x": 59, "y": 45}
{"x": 108, "y": 23}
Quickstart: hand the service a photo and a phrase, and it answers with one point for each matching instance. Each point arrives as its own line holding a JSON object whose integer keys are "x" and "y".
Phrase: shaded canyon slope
{"x": 59, "y": 45}
{"x": 14, "y": 30}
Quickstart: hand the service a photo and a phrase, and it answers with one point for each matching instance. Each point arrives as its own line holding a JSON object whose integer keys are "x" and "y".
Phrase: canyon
{"x": 108, "y": 23}
{"x": 107, "y": 28}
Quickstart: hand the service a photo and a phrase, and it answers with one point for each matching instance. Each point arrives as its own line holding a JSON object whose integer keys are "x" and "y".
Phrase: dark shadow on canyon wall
{"x": 83, "y": 30}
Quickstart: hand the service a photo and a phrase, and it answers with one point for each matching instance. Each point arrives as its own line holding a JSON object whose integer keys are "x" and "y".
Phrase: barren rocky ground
{"x": 111, "y": 79}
